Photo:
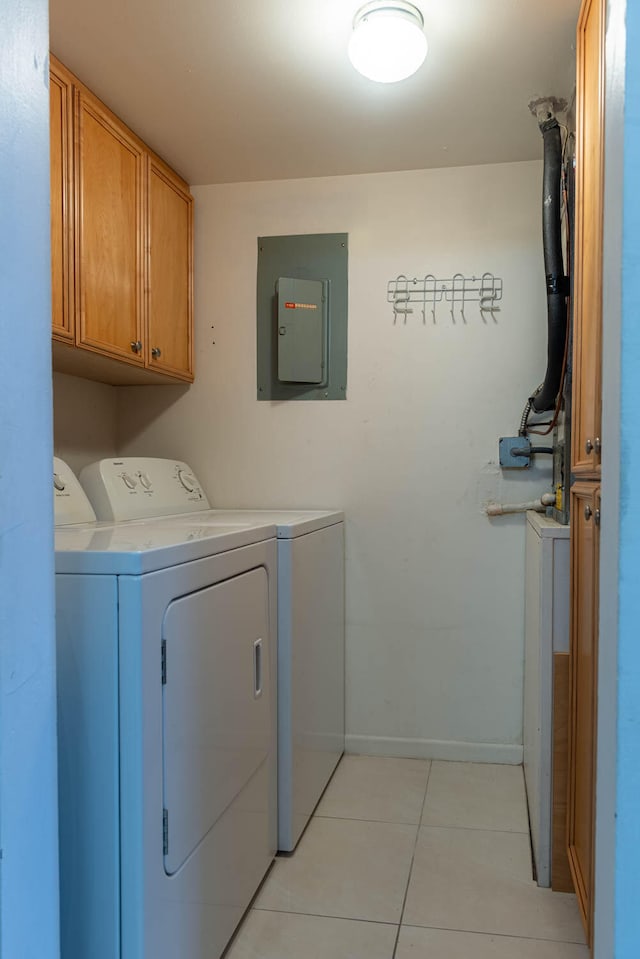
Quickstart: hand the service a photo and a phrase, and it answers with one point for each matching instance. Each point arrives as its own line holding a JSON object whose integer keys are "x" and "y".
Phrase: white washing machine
{"x": 310, "y": 617}
{"x": 167, "y": 731}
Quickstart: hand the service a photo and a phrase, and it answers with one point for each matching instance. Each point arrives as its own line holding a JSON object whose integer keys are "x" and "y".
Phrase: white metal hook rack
{"x": 485, "y": 290}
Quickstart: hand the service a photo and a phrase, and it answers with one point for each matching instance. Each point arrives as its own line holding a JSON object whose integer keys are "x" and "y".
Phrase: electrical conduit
{"x": 539, "y": 505}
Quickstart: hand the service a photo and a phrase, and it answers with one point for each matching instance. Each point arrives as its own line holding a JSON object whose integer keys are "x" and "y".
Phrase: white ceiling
{"x": 263, "y": 89}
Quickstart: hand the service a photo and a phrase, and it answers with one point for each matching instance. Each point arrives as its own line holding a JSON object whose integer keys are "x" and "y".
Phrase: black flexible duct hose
{"x": 545, "y": 399}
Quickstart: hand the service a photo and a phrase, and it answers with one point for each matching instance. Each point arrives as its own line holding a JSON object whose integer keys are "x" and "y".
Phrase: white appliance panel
{"x": 546, "y": 633}
{"x": 141, "y": 487}
{"x": 310, "y": 674}
{"x": 118, "y": 902}
{"x": 88, "y": 767}
{"x": 195, "y": 911}
{"x": 216, "y": 704}
{"x": 70, "y": 502}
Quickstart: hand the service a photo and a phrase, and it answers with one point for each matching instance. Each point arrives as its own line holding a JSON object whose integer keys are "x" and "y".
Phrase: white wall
{"x": 434, "y": 589}
{"x": 84, "y": 420}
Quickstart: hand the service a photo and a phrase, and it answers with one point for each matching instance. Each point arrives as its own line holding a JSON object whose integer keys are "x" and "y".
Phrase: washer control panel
{"x": 132, "y": 488}
{"x": 70, "y": 503}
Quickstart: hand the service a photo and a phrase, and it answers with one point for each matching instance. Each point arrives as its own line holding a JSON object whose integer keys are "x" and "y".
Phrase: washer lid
{"x": 289, "y": 523}
{"x": 134, "y": 548}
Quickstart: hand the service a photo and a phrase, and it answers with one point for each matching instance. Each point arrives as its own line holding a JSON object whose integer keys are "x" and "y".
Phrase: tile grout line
{"x": 504, "y": 832}
{"x": 324, "y": 915}
{"x": 413, "y": 856}
{"x": 380, "y": 922}
{"x": 534, "y": 868}
{"x": 426, "y": 790}
{"x": 500, "y": 935}
{"x": 424, "y": 825}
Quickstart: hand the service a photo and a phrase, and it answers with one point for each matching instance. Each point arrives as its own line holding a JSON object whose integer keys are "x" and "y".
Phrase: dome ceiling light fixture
{"x": 388, "y": 42}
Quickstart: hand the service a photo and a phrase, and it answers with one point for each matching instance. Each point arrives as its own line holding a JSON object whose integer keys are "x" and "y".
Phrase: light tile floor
{"x": 410, "y": 859}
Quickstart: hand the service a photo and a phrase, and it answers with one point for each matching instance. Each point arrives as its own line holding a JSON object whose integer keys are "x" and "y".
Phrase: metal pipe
{"x": 539, "y": 505}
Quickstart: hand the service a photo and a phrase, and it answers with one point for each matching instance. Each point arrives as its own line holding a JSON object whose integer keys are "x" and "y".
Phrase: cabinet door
{"x": 109, "y": 233}
{"x": 588, "y": 260}
{"x": 585, "y": 515}
{"x": 170, "y": 271}
{"x": 61, "y": 155}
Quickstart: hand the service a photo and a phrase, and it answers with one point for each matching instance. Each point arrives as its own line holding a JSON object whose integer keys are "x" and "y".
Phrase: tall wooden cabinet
{"x": 61, "y": 158}
{"x": 586, "y": 446}
{"x": 585, "y": 535}
{"x": 122, "y": 247}
{"x": 586, "y": 450}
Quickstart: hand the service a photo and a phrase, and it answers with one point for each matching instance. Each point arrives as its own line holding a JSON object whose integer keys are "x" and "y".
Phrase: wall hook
{"x": 456, "y": 278}
{"x": 401, "y": 298}
{"x": 486, "y": 291}
{"x": 432, "y": 300}
{"x": 488, "y": 295}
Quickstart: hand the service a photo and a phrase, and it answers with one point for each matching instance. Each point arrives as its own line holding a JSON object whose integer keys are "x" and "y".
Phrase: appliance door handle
{"x": 257, "y": 669}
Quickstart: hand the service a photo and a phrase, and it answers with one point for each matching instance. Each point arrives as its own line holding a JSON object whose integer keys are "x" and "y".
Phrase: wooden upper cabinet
{"x": 586, "y": 434}
{"x": 170, "y": 271}
{"x": 121, "y": 247}
{"x": 61, "y": 160}
{"x": 109, "y": 250}
{"x": 585, "y": 553}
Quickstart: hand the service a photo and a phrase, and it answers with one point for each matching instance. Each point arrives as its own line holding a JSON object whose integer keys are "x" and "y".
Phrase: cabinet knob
{"x": 136, "y": 346}
{"x": 156, "y": 352}
{"x": 588, "y": 447}
{"x": 588, "y": 512}
{"x": 596, "y": 517}
{"x": 597, "y": 445}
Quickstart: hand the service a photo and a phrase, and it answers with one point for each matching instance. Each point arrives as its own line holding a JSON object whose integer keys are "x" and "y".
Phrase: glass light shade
{"x": 388, "y": 43}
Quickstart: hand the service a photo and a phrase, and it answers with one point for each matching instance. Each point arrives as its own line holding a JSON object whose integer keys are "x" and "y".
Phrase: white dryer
{"x": 167, "y": 734}
{"x": 310, "y": 615}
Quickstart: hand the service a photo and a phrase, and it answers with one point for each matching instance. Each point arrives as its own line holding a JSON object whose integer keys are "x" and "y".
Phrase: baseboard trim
{"x": 508, "y": 755}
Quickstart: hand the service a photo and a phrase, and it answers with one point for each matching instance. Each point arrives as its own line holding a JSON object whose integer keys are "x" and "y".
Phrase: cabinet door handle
{"x": 136, "y": 346}
{"x": 588, "y": 512}
{"x": 156, "y": 352}
{"x": 588, "y": 447}
{"x": 597, "y": 446}
{"x": 596, "y": 517}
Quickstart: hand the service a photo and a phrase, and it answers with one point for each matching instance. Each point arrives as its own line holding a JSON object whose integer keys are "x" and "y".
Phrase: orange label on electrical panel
{"x": 301, "y": 306}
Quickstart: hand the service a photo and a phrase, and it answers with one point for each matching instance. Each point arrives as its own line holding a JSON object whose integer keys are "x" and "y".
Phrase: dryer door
{"x": 216, "y": 707}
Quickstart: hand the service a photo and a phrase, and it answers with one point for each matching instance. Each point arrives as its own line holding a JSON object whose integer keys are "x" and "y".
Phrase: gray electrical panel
{"x": 302, "y": 288}
{"x": 302, "y": 331}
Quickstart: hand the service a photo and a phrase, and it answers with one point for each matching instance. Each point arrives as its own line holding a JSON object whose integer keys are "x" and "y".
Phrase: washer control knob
{"x": 58, "y": 483}
{"x": 188, "y": 480}
{"x": 129, "y": 481}
{"x": 144, "y": 480}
